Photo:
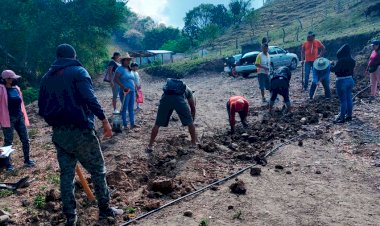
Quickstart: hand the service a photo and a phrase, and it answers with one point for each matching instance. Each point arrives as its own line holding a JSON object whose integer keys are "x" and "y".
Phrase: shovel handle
{"x": 84, "y": 183}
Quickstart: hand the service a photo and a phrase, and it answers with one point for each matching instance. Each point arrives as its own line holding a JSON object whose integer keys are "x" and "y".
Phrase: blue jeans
{"x": 324, "y": 79}
{"x": 344, "y": 90}
{"x": 308, "y": 68}
{"x": 129, "y": 104}
{"x": 18, "y": 124}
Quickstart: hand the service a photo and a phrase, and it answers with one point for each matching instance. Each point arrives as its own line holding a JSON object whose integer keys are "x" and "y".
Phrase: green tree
{"x": 180, "y": 45}
{"x": 252, "y": 19}
{"x": 209, "y": 34}
{"x": 156, "y": 37}
{"x": 239, "y": 9}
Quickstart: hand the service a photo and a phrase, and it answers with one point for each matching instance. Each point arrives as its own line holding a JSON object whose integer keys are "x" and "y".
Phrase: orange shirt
{"x": 236, "y": 107}
{"x": 311, "y": 49}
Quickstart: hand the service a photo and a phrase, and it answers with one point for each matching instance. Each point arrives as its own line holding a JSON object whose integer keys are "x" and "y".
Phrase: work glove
{"x": 107, "y": 131}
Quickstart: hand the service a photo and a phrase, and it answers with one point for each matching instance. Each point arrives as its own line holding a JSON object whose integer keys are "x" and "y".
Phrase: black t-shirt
{"x": 113, "y": 64}
{"x": 14, "y": 102}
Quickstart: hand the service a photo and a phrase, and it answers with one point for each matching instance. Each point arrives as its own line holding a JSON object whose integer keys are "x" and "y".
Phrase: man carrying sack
{"x": 67, "y": 103}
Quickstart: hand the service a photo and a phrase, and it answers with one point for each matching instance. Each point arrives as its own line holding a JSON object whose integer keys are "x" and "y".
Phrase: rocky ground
{"x": 327, "y": 176}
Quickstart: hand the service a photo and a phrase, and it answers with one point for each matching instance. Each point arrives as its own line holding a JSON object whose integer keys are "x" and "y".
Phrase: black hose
{"x": 210, "y": 185}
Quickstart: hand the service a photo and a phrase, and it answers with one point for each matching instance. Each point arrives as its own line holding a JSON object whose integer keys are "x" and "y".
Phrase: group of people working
{"x": 67, "y": 102}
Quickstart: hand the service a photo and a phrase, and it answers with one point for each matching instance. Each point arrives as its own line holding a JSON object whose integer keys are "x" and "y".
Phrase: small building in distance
{"x": 143, "y": 57}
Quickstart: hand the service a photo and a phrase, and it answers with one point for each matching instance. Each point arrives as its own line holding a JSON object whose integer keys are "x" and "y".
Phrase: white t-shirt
{"x": 137, "y": 78}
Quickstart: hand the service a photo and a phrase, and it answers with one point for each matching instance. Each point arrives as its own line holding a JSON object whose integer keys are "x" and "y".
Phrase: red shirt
{"x": 235, "y": 106}
{"x": 374, "y": 59}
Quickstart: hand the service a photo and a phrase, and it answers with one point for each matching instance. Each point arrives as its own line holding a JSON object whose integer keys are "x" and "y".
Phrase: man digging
{"x": 179, "y": 97}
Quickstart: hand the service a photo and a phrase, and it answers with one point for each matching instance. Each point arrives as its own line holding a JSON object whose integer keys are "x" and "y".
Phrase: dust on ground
{"x": 328, "y": 177}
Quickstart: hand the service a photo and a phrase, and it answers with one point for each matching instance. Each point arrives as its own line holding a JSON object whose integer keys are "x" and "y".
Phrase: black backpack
{"x": 174, "y": 87}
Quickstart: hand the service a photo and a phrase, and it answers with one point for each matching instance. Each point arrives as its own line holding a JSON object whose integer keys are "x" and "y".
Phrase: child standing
{"x": 139, "y": 99}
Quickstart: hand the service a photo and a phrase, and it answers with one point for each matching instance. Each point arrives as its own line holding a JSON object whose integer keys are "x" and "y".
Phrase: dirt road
{"x": 329, "y": 180}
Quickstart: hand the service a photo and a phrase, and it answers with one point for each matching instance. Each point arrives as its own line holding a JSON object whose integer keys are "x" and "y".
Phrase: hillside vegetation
{"x": 328, "y": 19}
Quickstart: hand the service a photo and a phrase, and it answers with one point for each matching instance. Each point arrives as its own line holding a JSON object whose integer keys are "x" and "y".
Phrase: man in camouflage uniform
{"x": 67, "y": 103}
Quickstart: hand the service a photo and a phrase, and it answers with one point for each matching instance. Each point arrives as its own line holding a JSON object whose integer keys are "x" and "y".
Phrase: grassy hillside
{"x": 319, "y": 16}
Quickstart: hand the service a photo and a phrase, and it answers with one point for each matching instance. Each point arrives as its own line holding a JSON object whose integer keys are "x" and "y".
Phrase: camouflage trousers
{"x": 81, "y": 145}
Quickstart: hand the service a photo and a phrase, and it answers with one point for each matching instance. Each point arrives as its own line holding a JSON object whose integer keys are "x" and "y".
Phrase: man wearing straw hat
{"x": 67, "y": 103}
{"x": 311, "y": 50}
{"x": 321, "y": 74}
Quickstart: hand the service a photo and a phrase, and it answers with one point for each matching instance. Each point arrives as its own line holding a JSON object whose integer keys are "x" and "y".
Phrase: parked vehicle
{"x": 246, "y": 64}
{"x": 279, "y": 57}
{"x": 230, "y": 63}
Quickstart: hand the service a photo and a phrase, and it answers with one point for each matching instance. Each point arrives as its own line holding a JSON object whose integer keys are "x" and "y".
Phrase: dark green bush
{"x": 30, "y": 94}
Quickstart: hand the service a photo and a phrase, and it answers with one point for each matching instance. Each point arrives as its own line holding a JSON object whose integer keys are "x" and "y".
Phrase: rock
{"x": 252, "y": 139}
{"x": 214, "y": 188}
{"x": 288, "y": 172}
{"x": 244, "y": 157}
{"x": 238, "y": 187}
{"x": 300, "y": 143}
{"x": 318, "y": 172}
{"x": 188, "y": 213}
{"x": 337, "y": 133}
{"x": 303, "y": 120}
{"x": 51, "y": 207}
{"x": 162, "y": 185}
{"x": 245, "y": 136}
{"x": 151, "y": 205}
{"x": 279, "y": 167}
{"x": 52, "y": 195}
{"x": 230, "y": 207}
{"x": 25, "y": 203}
{"x": 223, "y": 148}
{"x": 174, "y": 118}
{"x": 319, "y": 132}
{"x": 256, "y": 171}
{"x": 181, "y": 151}
{"x": 234, "y": 146}
{"x": 116, "y": 177}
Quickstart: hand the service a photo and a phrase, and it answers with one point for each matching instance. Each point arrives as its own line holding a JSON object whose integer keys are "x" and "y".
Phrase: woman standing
{"x": 373, "y": 68}
{"x": 13, "y": 115}
{"x": 135, "y": 68}
{"x": 344, "y": 70}
{"x": 112, "y": 66}
{"x": 126, "y": 80}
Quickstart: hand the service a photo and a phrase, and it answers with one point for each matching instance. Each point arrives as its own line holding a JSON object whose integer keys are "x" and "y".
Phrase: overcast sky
{"x": 172, "y": 12}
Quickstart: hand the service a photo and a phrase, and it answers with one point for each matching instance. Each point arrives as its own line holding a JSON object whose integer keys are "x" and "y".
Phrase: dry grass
{"x": 319, "y": 16}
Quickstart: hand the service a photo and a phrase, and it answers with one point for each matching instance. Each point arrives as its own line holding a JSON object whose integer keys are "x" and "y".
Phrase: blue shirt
{"x": 127, "y": 78}
{"x": 14, "y": 102}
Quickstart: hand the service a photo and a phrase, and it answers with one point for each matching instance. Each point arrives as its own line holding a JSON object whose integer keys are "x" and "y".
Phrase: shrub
{"x": 30, "y": 94}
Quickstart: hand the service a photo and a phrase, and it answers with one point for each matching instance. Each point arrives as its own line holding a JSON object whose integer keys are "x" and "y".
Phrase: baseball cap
{"x": 9, "y": 74}
{"x": 66, "y": 51}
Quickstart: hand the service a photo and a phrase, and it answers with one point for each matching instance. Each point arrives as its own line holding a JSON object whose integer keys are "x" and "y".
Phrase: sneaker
{"x": 348, "y": 118}
{"x": 135, "y": 126}
{"x": 71, "y": 220}
{"x": 338, "y": 120}
{"x": 29, "y": 163}
{"x": 110, "y": 212}
{"x": 116, "y": 111}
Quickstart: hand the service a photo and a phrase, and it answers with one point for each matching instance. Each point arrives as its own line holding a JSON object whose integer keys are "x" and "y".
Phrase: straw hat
{"x": 126, "y": 56}
{"x": 321, "y": 64}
